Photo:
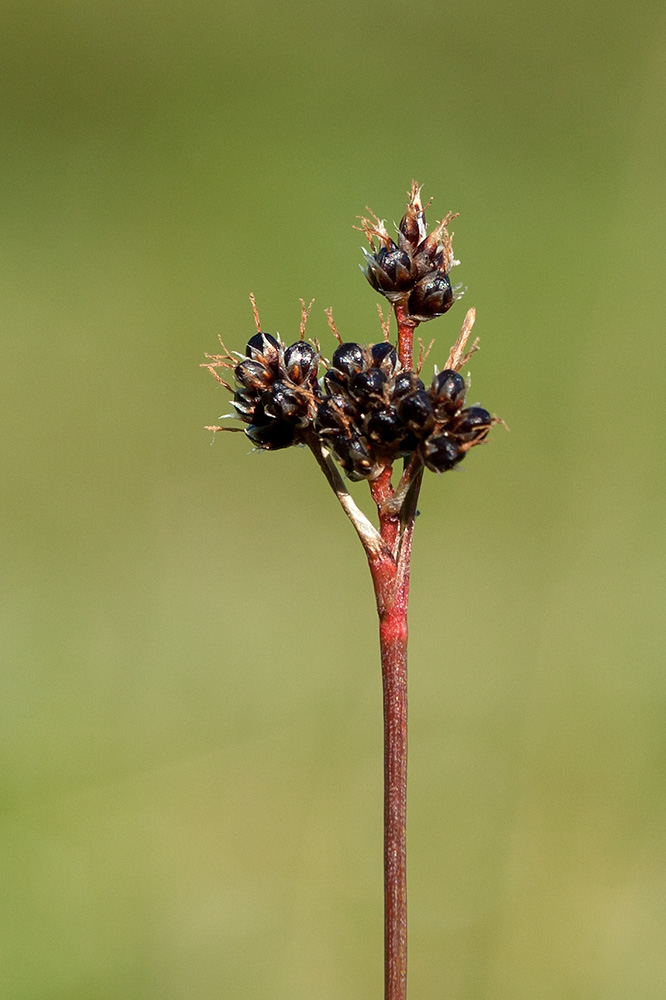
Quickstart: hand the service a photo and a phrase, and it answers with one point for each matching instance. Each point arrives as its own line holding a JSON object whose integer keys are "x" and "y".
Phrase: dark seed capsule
{"x": 431, "y": 297}
{"x": 416, "y": 411}
{"x": 413, "y": 225}
{"x": 253, "y": 375}
{"x": 448, "y": 390}
{"x": 335, "y": 383}
{"x": 439, "y": 261}
{"x": 440, "y": 453}
{"x": 263, "y": 346}
{"x": 404, "y": 384}
{"x": 348, "y": 359}
{"x": 259, "y": 417}
{"x": 273, "y": 435}
{"x": 391, "y": 271}
{"x": 284, "y": 402}
{"x": 355, "y": 458}
{"x": 384, "y": 356}
{"x": 335, "y": 415}
{"x": 367, "y": 387}
{"x": 301, "y": 362}
{"x": 472, "y": 424}
{"x": 245, "y": 403}
{"x": 407, "y": 445}
{"x": 385, "y": 426}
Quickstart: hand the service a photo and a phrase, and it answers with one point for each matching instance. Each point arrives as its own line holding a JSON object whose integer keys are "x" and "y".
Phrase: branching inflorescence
{"x": 362, "y": 411}
{"x": 370, "y": 408}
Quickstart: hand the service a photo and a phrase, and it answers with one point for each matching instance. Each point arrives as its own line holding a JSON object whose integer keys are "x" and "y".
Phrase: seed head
{"x": 369, "y": 408}
{"x": 414, "y": 271}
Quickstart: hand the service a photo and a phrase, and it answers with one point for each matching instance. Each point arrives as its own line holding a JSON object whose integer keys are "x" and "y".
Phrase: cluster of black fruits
{"x": 277, "y": 391}
{"x": 414, "y": 270}
{"x": 368, "y": 412}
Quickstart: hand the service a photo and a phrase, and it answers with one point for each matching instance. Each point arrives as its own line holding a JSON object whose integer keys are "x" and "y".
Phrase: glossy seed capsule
{"x": 263, "y": 346}
{"x": 404, "y": 384}
{"x": 368, "y": 386}
{"x": 440, "y": 453}
{"x": 334, "y": 415}
{"x": 253, "y": 375}
{"x": 472, "y": 424}
{"x": 385, "y": 426}
{"x": 431, "y": 297}
{"x": 301, "y": 362}
{"x": 391, "y": 271}
{"x": 355, "y": 458}
{"x": 348, "y": 359}
{"x": 284, "y": 402}
{"x": 384, "y": 356}
{"x": 245, "y": 403}
{"x": 335, "y": 383}
{"x": 273, "y": 435}
{"x": 448, "y": 390}
{"x": 416, "y": 411}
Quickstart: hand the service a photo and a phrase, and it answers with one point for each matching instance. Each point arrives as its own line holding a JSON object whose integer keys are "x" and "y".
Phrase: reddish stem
{"x": 391, "y": 596}
{"x": 389, "y": 555}
{"x": 406, "y": 329}
{"x": 390, "y": 576}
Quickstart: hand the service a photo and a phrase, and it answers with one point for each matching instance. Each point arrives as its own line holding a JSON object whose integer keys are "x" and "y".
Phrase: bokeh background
{"x": 190, "y": 720}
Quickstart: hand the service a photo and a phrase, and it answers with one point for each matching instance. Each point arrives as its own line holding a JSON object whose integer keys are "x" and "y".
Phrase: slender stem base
{"x": 393, "y": 642}
{"x": 389, "y": 553}
{"x": 390, "y": 575}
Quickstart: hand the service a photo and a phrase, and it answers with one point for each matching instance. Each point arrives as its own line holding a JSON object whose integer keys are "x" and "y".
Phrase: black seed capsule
{"x": 407, "y": 445}
{"x": 385, "y": 426}
{"x": 391, "y": 271}
{"x": 335, "y": 383}
{"x": 284, "y": 402}
{"x": 245, "y": 403}
{"x": 448, "y": 391}
{"x": 348, "y": 359}
{"x": 355, "y": 458}
{"x": 301, "y": 362}
{"x": 384, "y": 356}
{"x": 404, "y": 384}
{"x": 472, "y": 424}
{"x": 367, "y": 387}
{"x": 440, "y": 453}
{"x": 431, "y": 297}
{"x": 273, "y": 435}
{"x": 253, "y": 375}
{"x": 416, "y": 411}
{"x": 335, "y": 415}
{"x": 263, "y": 346}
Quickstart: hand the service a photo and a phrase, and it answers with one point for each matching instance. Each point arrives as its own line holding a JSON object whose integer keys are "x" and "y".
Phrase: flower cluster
{"x": 368, "y": 408}
{"x": 414, "y": 271}
{"x": 376, "y": 411}
{"x": 276, "y": 391}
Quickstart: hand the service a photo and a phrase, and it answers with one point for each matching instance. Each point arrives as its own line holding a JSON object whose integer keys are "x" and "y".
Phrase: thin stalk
{"x": 391, "y": 583}
{"x": 389, "y": 553}
{"x": 392, "y": 610}
{"x": 406, "y": 329}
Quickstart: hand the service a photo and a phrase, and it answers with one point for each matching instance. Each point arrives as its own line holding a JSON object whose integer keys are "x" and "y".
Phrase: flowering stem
{"x": 406, "y": 329}
{"x": 392, "y": 610}
{"x": 391, "y": 582}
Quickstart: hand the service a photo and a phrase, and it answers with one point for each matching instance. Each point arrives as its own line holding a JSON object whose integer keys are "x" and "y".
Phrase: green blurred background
{"x": 190, "y": 719}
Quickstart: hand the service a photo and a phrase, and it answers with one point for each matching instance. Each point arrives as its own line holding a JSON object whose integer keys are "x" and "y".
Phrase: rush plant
{"x": 359, "y": 413}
